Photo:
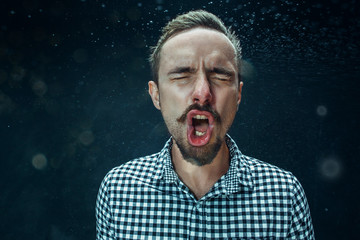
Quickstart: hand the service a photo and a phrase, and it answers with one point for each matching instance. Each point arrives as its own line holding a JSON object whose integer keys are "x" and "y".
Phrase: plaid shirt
{"x": 144, "y": 199}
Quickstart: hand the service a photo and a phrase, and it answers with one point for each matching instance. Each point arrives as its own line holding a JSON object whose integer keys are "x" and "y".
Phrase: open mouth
{"x": 200, "y": 126}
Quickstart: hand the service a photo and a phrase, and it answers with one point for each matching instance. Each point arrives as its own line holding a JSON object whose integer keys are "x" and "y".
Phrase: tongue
{"x": 202, "y": 126}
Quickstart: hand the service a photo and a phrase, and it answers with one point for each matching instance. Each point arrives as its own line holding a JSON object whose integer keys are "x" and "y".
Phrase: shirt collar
{"x": 238, "y": 177}
{"x": 163, "y": 167}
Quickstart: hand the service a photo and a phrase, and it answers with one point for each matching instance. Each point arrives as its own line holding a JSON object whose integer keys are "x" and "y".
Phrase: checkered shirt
{"x": 145, "y": 199}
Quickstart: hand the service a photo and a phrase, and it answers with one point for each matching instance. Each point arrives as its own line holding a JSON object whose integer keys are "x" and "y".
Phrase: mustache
{"x": 196, "y": 106}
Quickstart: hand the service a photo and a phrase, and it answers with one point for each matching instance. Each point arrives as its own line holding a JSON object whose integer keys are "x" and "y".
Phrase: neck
{"x": 200, "y": 179}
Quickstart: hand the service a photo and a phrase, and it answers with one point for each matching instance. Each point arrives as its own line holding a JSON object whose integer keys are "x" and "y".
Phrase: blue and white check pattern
{"x": 144, "y": 199}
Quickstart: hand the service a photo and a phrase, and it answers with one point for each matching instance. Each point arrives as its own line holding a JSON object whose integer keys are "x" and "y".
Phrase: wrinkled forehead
{"x": 188, "y": 46}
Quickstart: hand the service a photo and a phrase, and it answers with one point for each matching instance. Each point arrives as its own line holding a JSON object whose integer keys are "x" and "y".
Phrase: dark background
{"x": 73, "y": 103}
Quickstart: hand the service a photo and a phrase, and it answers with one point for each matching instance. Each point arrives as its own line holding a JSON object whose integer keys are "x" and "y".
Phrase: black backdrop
{"x": 73, "y": 103}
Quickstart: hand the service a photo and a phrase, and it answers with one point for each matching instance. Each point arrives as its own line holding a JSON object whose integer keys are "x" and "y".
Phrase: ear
{"x": 239, "y": 93}
{"x": 154, "y": 94}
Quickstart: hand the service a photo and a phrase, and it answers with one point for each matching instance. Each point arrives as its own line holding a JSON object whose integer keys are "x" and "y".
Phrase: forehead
{"x": 209, "y": 45}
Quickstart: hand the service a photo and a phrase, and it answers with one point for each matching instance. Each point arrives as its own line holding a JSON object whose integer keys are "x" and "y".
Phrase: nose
{"x": 202, "y": 90}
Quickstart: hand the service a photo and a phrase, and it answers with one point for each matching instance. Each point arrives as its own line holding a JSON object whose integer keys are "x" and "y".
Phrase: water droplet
{"x": 330, "y": 168}
{"x": 80, "y": 55}
{"x": 86, "y": 137}
{"x": 39, "y": 87}
{"x": 39, "y": 161}
{"x": 321, "y": 110}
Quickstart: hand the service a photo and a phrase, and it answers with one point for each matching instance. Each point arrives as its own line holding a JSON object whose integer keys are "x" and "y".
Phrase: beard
{"x": 199, "y": 156}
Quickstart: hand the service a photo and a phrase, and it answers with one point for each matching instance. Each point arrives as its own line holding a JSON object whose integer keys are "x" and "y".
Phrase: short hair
{"x": 190, "y": 20}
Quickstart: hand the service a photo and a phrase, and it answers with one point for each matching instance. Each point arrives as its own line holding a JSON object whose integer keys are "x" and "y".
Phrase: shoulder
{"x": 264, "y": 173}
{"x": 139, "y": 170}
{"x": 260, "y": 174}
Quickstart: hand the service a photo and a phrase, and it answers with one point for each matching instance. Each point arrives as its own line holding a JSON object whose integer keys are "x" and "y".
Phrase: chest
{"x": 171, "y": 213}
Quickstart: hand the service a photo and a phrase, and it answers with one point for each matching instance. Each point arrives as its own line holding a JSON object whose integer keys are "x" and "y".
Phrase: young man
{"x": 200, "y": 185}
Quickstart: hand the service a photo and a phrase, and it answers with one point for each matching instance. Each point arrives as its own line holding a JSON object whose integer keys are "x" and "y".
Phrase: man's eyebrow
{"x": 221, "y": 70}
{"x": 181, "y": 70}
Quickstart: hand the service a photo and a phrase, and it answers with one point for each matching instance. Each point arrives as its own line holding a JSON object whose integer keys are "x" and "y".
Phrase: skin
{"x": 198, "y": 66}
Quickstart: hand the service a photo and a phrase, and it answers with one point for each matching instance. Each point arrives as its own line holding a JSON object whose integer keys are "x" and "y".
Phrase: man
{"x": 199, "y": 186}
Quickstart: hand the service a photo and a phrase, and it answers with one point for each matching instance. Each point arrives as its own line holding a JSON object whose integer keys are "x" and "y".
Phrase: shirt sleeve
{"x": 301, "y": 225}
{"x": 103, "y": 214}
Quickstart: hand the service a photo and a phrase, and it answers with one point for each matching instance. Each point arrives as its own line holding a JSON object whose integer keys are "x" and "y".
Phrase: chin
{"x": 199, "y": 156}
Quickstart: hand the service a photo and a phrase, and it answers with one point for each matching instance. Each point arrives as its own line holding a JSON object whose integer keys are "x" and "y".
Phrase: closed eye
{"x": 179, "y": 77}
{"x": 221, "y": 74}
{"x": 221, "y": 77}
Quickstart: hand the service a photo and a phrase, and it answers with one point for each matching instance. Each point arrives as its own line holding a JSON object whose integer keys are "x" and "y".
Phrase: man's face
{"x": 198, "y": 91}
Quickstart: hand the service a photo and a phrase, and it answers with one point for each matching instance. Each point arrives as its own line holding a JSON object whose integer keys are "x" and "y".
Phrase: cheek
{"x": 173, "y": 94}
{"x": 170, "y": 103}
{"x": 227, "y": 98}
{"x": 228, "y": 104}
